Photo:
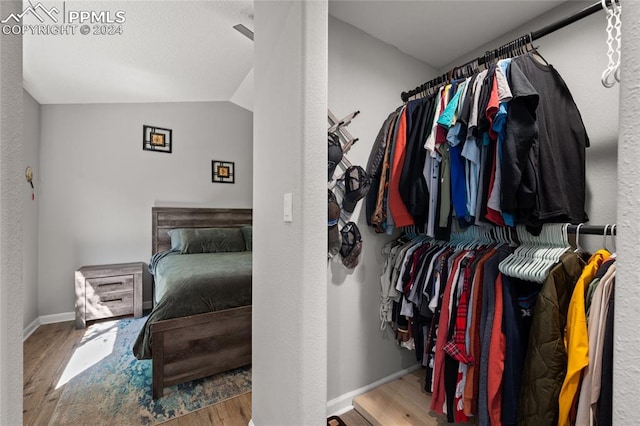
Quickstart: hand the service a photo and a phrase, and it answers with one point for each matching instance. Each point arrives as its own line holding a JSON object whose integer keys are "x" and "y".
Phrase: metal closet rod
{"x": 535, "y": 35}
{"x": 593, "y": 229}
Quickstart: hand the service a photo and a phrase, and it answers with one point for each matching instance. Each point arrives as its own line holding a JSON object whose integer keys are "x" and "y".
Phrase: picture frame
{"x": 222, "y": 171}
{"x": 156, "y": 139}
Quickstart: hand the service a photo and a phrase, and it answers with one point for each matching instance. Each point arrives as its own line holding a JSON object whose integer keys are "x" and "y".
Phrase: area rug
{"x": 104, "y": 384}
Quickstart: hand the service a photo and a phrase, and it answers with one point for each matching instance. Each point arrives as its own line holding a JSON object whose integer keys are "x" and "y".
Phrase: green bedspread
{"x": 190, "y": 284}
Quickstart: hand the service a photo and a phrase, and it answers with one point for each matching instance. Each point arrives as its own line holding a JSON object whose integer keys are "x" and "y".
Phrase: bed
{"x": 193, "y": 331}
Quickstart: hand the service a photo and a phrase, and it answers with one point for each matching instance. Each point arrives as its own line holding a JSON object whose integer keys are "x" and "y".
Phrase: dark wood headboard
{"x": 166, "y": 218}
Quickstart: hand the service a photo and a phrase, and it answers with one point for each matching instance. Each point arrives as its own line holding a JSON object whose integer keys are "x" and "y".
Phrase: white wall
{"x": 97, "y": 185}
{"x": 11, "y": 187}
{"x": 31, "y": 154}
{"x": 289, "y": 278}
{"x": 626, "y": 369}
{"x": 368, "y": 75}
{"x": 579, "y": 53}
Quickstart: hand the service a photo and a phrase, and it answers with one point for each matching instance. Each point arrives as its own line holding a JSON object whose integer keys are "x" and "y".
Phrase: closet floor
{"x": 400, "y": 402}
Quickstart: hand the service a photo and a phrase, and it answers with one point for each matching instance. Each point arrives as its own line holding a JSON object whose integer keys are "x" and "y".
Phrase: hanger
{"x": 613, "y": 240}
{"x": 604, "y": 237}
{"x": 611, "y": 74}
{"x": 579, "y": 248}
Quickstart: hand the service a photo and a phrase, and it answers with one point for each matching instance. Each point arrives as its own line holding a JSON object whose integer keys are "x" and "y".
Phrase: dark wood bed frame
{"x": 197, "y": 346}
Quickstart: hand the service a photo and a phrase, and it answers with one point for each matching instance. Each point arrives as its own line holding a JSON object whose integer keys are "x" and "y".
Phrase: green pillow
{"x": 176, "y": 240}
{"x": 211, "y": 240}
{"x": 248, "y": 235}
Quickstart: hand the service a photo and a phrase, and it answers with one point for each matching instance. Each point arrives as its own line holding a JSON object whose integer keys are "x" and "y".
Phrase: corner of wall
{"x": 11, "y": 185}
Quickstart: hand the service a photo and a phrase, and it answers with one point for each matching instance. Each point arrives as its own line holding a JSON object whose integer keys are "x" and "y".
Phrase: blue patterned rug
{"x": 104, "y": 384}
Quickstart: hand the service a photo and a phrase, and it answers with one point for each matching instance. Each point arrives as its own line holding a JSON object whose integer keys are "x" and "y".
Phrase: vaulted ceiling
{"x": 172, "y": 51}
{"x": 168, "y": 51}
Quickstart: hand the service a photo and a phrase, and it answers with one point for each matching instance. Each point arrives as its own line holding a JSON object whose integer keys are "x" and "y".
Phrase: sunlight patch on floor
{"x": 97, "y": 343}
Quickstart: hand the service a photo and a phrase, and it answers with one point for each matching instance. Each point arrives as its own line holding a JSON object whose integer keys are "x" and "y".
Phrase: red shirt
{"x": 497, "y": 349}
{"x": 399, "y": 213}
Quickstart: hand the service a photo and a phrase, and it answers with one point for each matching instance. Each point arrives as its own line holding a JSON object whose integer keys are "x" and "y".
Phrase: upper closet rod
{"x": 535, "y": 35}
{"x": 593, "y": 229}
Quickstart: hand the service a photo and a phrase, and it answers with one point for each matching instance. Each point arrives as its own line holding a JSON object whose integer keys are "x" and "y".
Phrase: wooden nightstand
{"x": 106, "y": 291}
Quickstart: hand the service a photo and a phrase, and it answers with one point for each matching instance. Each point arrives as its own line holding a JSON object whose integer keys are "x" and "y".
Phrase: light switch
{"x": 288, "y": 208}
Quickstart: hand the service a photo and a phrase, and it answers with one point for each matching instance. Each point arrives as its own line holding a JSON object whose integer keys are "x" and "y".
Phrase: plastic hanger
{"x": 529, "y": 263}
{"x": 613, "y": 238}
{"x": 510, "y": 264}
{"x": 552, "y": 236}
{"x": 604, "y": 237}
{"x": 540, "y": 254}
{"x": 579, "y": 248}
{"x": 611, "y": 74}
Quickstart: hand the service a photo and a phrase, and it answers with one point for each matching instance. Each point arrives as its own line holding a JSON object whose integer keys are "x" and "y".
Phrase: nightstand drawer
{"x": 105, "y": 291}
{"x": 109, "y": 304}
{"x": 103, "y": 285}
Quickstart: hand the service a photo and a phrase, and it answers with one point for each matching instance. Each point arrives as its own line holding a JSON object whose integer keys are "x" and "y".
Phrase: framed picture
{"x": 156, "y": 139}
{"x": 222, "y": 171}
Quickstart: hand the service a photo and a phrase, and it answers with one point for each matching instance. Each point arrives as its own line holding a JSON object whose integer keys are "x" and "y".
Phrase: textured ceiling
{"x": 438, "y": 32}
{"x": 169, "y": 51}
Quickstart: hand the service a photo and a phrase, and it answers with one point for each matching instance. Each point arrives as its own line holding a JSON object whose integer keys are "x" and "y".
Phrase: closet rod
{"x": 592, "y": 229}
{"x": 535, "y": 35}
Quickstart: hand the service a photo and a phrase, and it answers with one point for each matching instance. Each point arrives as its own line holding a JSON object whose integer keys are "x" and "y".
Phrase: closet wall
{"x": 579, "y": 53}
{"x": 368, "y": 75}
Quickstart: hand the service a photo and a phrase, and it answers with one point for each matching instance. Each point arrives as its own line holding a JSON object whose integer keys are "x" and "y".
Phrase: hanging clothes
{"x": 591, "y": 382}
{"x": 559, "y": 168}
{"x": 377, "y": 167}
{"x": 481, "y": 151}
{"x": 477, "y": 152}
{"x": 545, "y": 367}
{"x": 576, "y": 339}
{"x": 497, "y": 348}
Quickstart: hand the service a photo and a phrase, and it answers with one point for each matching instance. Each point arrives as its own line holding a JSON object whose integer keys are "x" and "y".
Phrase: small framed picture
{"x": 156, "y": 139}
{"x": 222, "y": 171}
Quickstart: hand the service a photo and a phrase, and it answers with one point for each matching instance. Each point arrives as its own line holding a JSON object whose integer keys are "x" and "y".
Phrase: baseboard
{"x": 343, "y": 403}
{"x": 28, "y": 330}
{"x": 46, "y": 319}
{"x": 51, "y": 319}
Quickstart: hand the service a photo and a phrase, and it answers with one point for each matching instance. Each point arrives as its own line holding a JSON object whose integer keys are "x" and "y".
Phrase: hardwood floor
{"x": 46, "y": 354}
{"x": 400, "y": 402}
{"x": 232, "y": 412}
{"x": 48, "y": 350}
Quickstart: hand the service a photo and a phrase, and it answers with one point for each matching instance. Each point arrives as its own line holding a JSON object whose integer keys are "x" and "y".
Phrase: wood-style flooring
{"x": 401, "y": 402}
{"x": 232, "y": 412}
{"x": 49, "y": 348}
{"x": 46, "y": 354}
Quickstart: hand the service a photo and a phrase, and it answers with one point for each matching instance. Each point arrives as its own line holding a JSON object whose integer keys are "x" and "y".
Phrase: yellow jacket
{"x": 576, "y": 339}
